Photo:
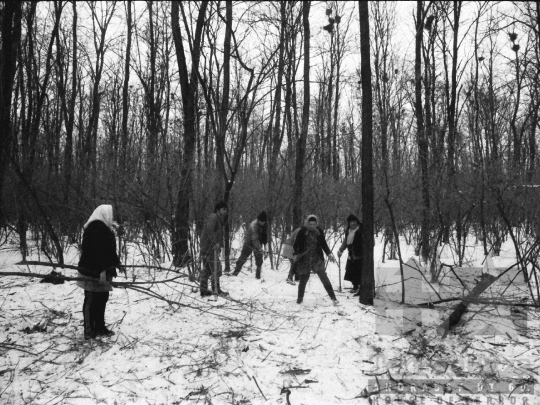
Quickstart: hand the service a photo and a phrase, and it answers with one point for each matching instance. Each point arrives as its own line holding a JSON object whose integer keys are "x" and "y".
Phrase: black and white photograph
{"x": 269, "y": 202}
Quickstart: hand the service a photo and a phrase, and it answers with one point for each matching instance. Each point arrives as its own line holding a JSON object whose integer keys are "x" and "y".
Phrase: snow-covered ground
{"x": 245, "y": 350}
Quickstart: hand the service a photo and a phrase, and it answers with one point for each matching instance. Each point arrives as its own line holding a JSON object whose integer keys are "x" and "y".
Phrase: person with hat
{"x": 211, "y": 244}
{"x": 308, "y": 247}
{"x": 353, "y": 244}
{"x": 254, "y": 239}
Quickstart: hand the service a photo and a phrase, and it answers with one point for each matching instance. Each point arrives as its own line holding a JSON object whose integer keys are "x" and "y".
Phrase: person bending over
{"x": 254, "y": 240}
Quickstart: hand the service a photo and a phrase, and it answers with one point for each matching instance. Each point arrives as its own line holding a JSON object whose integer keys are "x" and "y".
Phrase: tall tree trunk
{"x": 11, "y": 38}
{"x": 329, "y": 95}
{"x": 125, "y": 95}
{"x": 453, "y": 100}
{"x": 223, "y": 115}
{"x": 68, "y": 150}
{"x": 302, "y": 139}
{"x": 277, "y": 133}
{"x": 421, "y": 136}
{"x": 188, "y": 86}
{"x": 367, "y": 286}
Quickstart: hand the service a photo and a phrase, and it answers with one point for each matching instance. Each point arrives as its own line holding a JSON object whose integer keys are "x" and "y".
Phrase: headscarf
{"x": 350, "y": 236}
{"x": 306, "y": 224}
{"x": 103, "y": 213}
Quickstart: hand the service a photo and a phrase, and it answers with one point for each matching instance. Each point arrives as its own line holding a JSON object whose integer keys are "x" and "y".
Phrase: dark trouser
{"x": 292, "y": 270}
{"x": 94, "y": 310}
{"x": 324, "y": 280}
{"x": 208, "y": 273}
{"x": 244, "y": 255}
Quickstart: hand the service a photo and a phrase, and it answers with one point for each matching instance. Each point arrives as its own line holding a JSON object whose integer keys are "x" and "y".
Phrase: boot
{"x": 204, "y": 288}
{"x": 258, "y": 273}
{"x": 220, "y": 291}
{"x": 104, "y": 331}
{"x": 301, "y": 290}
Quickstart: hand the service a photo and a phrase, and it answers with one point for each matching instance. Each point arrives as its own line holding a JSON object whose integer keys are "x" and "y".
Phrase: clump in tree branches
{"x": 429, "y": 23}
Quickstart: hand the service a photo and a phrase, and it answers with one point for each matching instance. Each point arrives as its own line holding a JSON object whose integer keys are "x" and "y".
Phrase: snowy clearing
{"x": 245, "y": 350}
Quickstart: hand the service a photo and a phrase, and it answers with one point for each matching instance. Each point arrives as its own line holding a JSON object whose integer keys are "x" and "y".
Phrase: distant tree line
{"x": 163, "y": 108}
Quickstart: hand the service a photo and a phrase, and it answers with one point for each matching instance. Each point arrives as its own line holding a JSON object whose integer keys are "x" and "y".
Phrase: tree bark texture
{"x": 11, "y": 38}
{"x": 421, "y": 135}
{"x": 302, "y": 139}
{"x": 188, "y": 86}
{"x": 277, "y": 133}
{"x": 367, "y": 286}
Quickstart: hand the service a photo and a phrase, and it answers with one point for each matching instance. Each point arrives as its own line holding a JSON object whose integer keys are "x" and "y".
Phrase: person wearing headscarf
{"x": 97, "y": 266}
{"x": 254, "y": 240}
{"x": 308, "y": 247}
{"x": 353, "y": 244}
{"x": 211, "y": 244}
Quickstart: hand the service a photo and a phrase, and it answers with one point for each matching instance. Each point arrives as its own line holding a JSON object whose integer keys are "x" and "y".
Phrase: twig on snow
{"x": 256, "y": 383}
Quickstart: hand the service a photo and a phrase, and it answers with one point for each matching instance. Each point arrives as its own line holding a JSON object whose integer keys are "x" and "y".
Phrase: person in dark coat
{"x": 254, "y": 240}
{"x": 97, "y": 265}
{"x": 353, "y": 244}
{"x": 308, "y": 247}
{"x": 211, "y": 244}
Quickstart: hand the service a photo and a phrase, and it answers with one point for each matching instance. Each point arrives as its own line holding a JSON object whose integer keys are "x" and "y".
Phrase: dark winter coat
{"x": 98, "y": 254}
{"x": 355, "y": 250}
{"x": 310, "y": 261}
{"x": 256, "y": 235}
{"x": 212, "y": 234}
{"x": 353, "y": 268}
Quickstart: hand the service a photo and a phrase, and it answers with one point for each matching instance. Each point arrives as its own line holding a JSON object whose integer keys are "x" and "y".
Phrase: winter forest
{"x": 420, "y": 118}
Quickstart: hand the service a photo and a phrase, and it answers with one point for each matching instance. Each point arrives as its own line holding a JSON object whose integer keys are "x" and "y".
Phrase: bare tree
{"x": 367, "y": 286}
{"x": 11, "y": 36}
{"x": 423, "y": 151}
{"x": 188, "y": 85}
{"x": 302, "y": 139}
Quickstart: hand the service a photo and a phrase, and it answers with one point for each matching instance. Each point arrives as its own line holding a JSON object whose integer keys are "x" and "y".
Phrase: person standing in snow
{"x": 353, "y": 244}
{"x": 211, "y": 244}
{"x": 254, "y": 239}
{"x": 309, "y": 246}
{"x": 289, "y": 254}
{"x": 97, "y": 265}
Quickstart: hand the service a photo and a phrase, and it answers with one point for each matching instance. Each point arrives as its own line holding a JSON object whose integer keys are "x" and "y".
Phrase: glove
{"x": 339, "y": 253}
{"x": 111, "y": 273}
{"x": 332, "y": 258}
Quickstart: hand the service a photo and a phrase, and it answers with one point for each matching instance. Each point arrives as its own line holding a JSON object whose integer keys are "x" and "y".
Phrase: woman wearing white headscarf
{"x": 97, "y": 266}
{"x": 353, "y": 243}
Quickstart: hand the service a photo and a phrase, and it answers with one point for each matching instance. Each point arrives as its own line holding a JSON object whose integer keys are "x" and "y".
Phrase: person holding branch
{"x": 308, "y": 247}
{"x": 353, "y": 244}
{"x": 97, "y": 266}
{"x": 254, "y": 240}
{"x": 211, "y": 244}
